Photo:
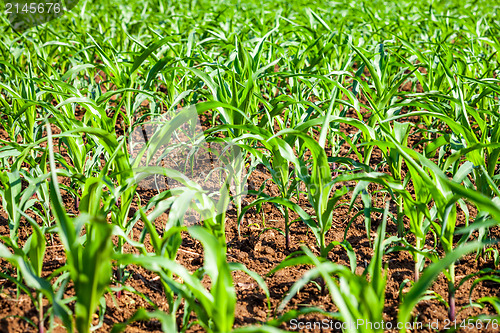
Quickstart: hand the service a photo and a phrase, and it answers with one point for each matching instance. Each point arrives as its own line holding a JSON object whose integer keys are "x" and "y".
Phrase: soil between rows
{"x": 260, "y": 252}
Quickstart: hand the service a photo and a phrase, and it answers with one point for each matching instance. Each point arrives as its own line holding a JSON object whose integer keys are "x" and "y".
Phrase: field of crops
{"x": 252, "y": 166}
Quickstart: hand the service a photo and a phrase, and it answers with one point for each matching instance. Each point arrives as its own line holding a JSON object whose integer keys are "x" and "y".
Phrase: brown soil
{"x": 260, "y": 253}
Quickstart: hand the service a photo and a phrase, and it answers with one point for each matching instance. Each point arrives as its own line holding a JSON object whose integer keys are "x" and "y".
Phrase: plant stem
{"x": 451, "y": 294}
{"x": 41, "y": 328}
{"x": 367, "y": 155}
{"x": 418, "y": 257}
{"x": 287, "y": 230}
{"x": 322, "y": 247}
{"x": 119, "y": 272}
{"x": 77, "y": 202}
{"x": 401, "y": 226}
